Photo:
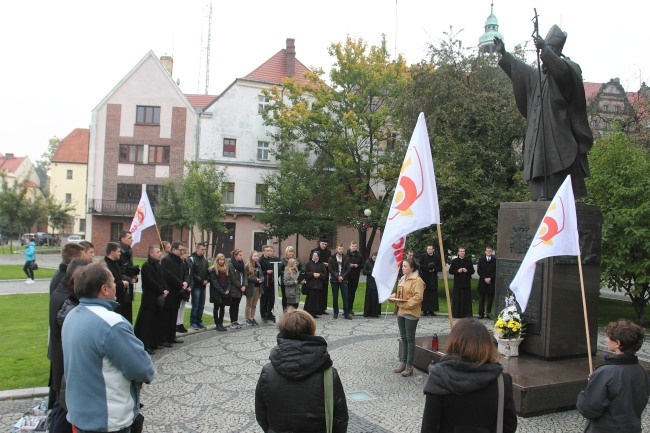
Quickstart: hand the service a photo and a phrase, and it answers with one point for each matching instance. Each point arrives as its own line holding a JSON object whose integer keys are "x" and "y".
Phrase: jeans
{"x": 198, "y": 303}
{"x": 407, "y": 334}
{"x": 27, "y": 269}
{"x": 343, "y": 285}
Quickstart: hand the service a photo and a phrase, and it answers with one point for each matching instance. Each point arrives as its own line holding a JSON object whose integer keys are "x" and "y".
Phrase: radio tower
{"x": 207, "y": 55}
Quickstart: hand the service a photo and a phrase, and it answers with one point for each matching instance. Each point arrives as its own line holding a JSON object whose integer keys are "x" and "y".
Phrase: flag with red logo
{"x": 142, "y": 218}
{"x": 557, "y": 235}
{"x": 414, "y": 206}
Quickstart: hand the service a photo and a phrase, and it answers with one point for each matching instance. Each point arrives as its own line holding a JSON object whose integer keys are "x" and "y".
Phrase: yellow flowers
{"x": 509, "y": 323}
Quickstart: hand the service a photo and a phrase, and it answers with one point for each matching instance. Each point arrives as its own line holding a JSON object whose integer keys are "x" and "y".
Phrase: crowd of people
{"x": 97, "y": 356}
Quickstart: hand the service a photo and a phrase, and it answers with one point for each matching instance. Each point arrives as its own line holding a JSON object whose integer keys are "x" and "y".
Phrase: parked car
{"x": 75, "y": 239}
{"x": 47, "y": 239}
{"x": 24, "y": 239}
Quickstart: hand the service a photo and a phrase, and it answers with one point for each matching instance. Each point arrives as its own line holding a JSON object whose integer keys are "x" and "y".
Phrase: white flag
{"x": 414, "y": 206}
{"x": 557, "y": 235}
{"x": 142, "y": 218}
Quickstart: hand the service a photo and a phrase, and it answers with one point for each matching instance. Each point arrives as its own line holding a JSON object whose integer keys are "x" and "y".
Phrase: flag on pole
{"x": 142, "y": 218}
{"x": 414, "y": 206}
{"x": 557, "y": 235}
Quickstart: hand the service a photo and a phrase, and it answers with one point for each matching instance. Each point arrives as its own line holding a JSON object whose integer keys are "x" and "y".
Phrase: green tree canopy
{"x": 619, "y": 184}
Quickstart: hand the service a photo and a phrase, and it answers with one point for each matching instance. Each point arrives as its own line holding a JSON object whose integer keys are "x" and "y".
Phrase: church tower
{"x": 486, "y": 41}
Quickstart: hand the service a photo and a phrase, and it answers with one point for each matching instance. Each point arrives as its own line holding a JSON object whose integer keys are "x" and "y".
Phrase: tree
{"x": 343, "y": 140}
{"x": 18, "y": 212}
{"x": 475, "y": 133}
{"x": 59, "y": 214}
{"x": 619, "y": 184}
{"x": 43, "y": 164}
{"x": 196, "y": 200}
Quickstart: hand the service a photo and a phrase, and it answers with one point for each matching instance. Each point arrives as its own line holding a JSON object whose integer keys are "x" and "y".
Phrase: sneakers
{"x": 30, "y": 281}
{"x": 255, "y": 322}
{"x": 235, "y": 325}
{"x": 400, "y": 368}
{"x": 181, "y": 329}
{"x": 201, "y": 325}
{"x": 194, "y": 327}
{"x": 407, "y": 372}
{"x": 250, "y": 323}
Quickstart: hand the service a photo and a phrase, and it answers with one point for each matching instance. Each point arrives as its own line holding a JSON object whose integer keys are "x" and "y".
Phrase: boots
{"x": 407, "y": 372}
{"x": 220, "y": 327}
{"x": 400, "y": 367}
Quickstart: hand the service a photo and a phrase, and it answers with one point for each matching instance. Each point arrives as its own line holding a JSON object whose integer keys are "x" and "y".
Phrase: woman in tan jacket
{"x": 409, "y": 302}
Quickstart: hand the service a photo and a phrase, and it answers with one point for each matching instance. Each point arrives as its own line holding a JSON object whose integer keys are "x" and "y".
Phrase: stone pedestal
{"x": 556, "y": 327}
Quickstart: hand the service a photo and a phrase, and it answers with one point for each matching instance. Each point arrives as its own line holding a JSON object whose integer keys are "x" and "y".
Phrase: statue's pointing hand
{"x": 499, "y": 46}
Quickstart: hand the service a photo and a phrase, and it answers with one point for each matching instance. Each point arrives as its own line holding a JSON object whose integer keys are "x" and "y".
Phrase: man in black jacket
{"x": 153, "y": 286}
{"x": 127, "y": 268}
{"x": 200, "y": 279}
{"x": 356, "y": 264}
{"x": 487, "y": 269}
{"x": 176, "y": 278}
{"x": 339, "y": 269}
{"x": 267, "y": 299}
{"x": 112, "y": 260}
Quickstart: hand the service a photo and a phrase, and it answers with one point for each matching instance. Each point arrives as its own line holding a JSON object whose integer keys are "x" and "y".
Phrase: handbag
{"x": 328, "y": 386}
{"x": 33, "y": 266}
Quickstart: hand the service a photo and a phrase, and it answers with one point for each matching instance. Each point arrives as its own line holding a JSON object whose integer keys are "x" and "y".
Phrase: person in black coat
{"x": 462, "y": 269}
{"x": 430, "y": 265}
{"x": 153, "y": 286}
{"x": 289, "y": 396}
{"x": 127, "y": 268}
{"x": 315, "y": 283}
{"x": 112, "y": 259}
{"x": 324, "y": 255}
{"x": 219, "y": 290}
{"x": 371, "y": 306}
{"x": 356, "y": 264}
{"x": 462, "y": 390}
{"x": 177, "y": 280}
{"x": 486, "y": 269}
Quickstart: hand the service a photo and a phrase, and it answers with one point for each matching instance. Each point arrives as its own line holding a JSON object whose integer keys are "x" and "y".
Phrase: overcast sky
{"x": 60, "y": 58}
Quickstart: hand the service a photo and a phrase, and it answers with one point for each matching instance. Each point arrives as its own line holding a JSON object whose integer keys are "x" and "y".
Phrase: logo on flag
{"x": 142, "y": 218}
{"x": 557, "y": 235}
{"x": 414, "y": 206}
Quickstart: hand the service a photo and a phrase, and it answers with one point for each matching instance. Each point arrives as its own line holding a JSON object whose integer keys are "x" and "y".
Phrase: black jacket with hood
{"x": 290, "y": 392}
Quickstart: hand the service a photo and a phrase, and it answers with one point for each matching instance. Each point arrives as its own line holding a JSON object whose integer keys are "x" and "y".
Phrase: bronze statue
{"x": 558, "y": 136}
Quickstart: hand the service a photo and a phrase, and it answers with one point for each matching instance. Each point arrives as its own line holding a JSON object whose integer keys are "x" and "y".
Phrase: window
{"x": 259, "y": 239}
{"x": 158, "y": 154}
{"x": 263, "y": 150}
{"x": 229, "y": 147}
{"x": 68, "y": 174}
{"x": 129, "y": 192}
{"x": 260, "y": 193}
{"x": 68, "y": 198}
{"x": 229, "y": 193}
{"x": 116, "y": 228}
{"x": 167, "y": 233}
{"x": 263, "y": 104}
{"x": 133, "y": 153}
{"x": 82, "y": 224}
{"x": 148, "y": 115}
{"x": 154, "y": 192}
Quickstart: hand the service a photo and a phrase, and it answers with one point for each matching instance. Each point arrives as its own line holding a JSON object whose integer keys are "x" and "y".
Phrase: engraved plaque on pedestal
{"x": 556, "y": 326}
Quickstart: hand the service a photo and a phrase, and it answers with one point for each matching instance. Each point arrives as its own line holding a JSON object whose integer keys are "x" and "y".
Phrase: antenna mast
{"x": 207, "y": 57}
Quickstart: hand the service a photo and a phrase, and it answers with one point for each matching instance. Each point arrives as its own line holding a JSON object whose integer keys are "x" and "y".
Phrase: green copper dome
{"x": 486, "y": 41}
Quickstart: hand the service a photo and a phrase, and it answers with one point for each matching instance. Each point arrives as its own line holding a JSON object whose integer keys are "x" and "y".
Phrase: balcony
{"x": 114, "y": 208}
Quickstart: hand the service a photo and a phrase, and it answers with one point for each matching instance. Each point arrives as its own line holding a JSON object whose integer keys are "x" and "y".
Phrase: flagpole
{"x": 162, "y": 247}
{"x": 584, "y": 309}
{"x": 444, "y": 276}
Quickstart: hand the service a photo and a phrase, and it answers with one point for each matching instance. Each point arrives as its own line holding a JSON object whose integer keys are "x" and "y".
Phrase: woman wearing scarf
{"x": 462, "y": 391}
{"x": 219, "y": 289}
{"x": 253, "y": 273}
{"x": 316, "y": 277}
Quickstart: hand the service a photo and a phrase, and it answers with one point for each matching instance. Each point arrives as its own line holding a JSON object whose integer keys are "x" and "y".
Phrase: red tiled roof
{"x": 274, "y": 69}
{"x": 200, "y": 101}
{"x": 10, "y": 163}
{"x": 30, "y": 184}
{"x": 591, "y": 89}
{"x": 74, "y": 147}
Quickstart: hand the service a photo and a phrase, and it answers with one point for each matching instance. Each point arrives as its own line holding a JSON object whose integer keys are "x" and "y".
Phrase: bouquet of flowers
{"x": 509, "y": 324}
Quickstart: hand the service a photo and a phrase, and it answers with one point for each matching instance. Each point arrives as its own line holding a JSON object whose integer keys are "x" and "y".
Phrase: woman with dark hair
{"x": 462, "y": 391}
{"x": 219, "y": 290}
{"x": 316, "y": 281}
{"x": 371, "y": 306}
{"x": 291, "y": 392}
{"x": 408, "y": 299}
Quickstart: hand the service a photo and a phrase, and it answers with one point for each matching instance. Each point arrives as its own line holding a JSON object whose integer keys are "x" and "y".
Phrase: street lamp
{"x": 367, "y": 212}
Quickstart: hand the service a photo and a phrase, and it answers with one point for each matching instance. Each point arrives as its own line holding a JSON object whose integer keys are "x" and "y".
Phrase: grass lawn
{"x": 15, "y": 272}
{"x": 16, "y": 248}
{"x": 24, "y": 362}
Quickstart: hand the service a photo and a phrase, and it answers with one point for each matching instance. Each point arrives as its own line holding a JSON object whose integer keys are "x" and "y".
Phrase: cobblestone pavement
{"x": 207, "y": 384}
